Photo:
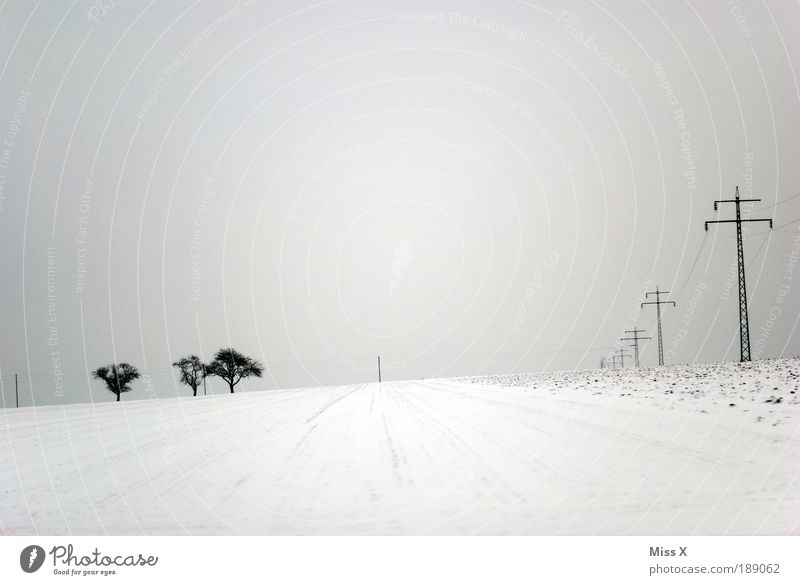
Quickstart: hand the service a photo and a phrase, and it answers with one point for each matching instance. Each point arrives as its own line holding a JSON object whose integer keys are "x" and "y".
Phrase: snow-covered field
{"x": 706, "y": 449}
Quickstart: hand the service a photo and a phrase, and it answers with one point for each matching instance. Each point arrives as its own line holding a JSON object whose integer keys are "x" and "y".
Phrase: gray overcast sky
{"x": 461, "y": 187}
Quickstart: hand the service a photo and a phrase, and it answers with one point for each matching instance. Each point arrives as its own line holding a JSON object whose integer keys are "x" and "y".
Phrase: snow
{"x": 650, "y": 451}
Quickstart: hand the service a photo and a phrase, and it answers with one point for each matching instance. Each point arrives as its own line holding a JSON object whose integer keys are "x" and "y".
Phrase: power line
{"x": 779, "y": 202}
{"x": 758, "y": 250}
{"x": 787, "y": 223}
{"x": 744, "y": 325}
{"x": 694, "y": 265}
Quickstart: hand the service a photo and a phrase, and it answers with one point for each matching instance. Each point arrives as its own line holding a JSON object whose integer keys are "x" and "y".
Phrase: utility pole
{"x": 658, "y": 302}
{"x": 205, "y": 375}
{"x": 621, "y": 355}
{"x": 635, "y": 343}
{"x": 379, "y": 369}
{"x": 16, "y": 389}
{"x": 744, "y": 325}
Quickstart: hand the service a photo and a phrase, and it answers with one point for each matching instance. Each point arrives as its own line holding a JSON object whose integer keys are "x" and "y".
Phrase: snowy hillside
{"x": 706, "y": 449}
{"x": 762, "y": 388}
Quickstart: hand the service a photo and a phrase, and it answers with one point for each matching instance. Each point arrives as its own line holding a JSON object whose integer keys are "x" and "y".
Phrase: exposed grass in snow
{"x": 767, "y": 389}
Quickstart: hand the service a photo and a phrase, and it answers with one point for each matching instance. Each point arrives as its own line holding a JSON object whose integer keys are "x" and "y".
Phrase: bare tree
{"x": 192, "y": 370}
{"x": 232, "y": 366}
{"x": 117, "y": 377}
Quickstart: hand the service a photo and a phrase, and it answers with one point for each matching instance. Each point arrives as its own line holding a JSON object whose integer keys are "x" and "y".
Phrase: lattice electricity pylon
{"x": 658, "y": 302}
{"x": 744, "y": 324}
{"x": 635, "y": 344}
{"x": 620, "y": 353}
